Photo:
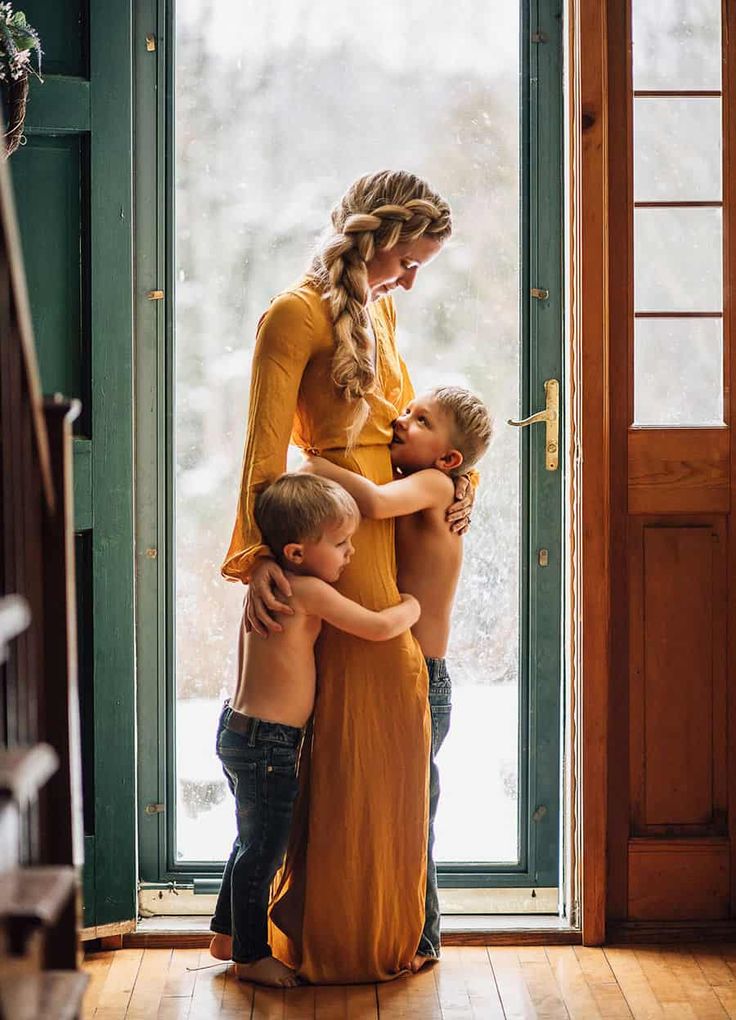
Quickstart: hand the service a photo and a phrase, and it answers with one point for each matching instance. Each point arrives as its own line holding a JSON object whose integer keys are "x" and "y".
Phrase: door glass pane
{"x": 676, "y": 44}
{"x": 677, "y": 260}
{"x": 278, "y": 108}
{"x": 678, "y": 374}
{"x": 677, "y": 150}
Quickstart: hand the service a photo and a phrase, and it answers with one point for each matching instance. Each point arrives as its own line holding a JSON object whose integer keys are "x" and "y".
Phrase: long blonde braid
{"x": 377, "y": 212}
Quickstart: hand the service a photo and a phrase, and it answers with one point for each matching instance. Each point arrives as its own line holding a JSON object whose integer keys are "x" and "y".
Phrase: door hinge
{"x": 539, "y": 37}
{"x": 540, "y": 293}
{"x": 155, "y": 295}
{"x": 151, "y": 43}
{"x": 539, "y": 813}
{"x": 155, "y": 809}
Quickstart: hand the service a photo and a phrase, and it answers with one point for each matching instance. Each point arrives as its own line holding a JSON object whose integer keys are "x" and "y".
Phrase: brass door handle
{"x": 551, "y": 416}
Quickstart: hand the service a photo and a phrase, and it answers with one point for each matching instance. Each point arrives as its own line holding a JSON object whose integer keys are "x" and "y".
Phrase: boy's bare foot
{"x": 420, "y": 961}
{"x": 221, "y": 947}
{"x": 267, "y": 971}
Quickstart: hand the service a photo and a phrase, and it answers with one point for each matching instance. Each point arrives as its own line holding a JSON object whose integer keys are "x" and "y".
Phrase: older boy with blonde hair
{"x": 440, "y": 435}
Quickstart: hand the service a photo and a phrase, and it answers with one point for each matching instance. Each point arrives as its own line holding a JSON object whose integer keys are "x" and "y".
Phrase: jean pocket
{"x": 243, "y": 781}
{"x": 441, "y": 715}
{"x": 283, "y": 760}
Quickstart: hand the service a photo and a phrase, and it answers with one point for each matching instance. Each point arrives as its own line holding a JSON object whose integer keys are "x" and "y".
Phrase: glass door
{"x": 276, "y": 110}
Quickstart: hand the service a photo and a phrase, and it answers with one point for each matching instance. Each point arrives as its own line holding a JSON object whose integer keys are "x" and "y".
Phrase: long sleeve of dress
{"x": 284, "y": 345}
{"x": 407, "y": 390}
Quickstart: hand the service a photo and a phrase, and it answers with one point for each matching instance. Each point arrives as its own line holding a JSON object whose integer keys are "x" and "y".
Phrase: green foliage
{"x": 18, "y": 40}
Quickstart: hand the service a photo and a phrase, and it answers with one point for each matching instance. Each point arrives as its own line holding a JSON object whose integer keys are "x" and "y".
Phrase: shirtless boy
{"x": 440, "y": 435}
{"x": 308, "y": 523}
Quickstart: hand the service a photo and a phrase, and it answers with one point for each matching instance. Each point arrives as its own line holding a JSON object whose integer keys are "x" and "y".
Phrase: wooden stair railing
{"x": 40, "y": 760}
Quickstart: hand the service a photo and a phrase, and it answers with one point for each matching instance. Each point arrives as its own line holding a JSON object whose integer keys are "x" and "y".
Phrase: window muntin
{"x": 677, "y": 214}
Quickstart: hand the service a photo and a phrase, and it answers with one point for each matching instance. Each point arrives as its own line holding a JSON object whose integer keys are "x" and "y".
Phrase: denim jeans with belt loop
{"x": 440, "y": 707}
{"x": 259, "y": 760}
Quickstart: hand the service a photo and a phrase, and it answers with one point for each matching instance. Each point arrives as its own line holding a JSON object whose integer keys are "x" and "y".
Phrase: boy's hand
{"x": 313, "y": 465}
{"x": 459, "y": 513}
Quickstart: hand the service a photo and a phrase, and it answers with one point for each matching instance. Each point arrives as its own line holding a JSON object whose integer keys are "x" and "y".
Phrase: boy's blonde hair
{"x": 298, "y": 507}
{"x": 472, "y": 424}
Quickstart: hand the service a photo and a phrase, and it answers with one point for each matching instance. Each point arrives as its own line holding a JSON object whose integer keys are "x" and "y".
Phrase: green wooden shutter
{"x": 73, "y": 182}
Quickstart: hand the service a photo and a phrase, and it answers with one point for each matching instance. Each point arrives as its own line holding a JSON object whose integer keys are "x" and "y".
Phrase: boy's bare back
{"x": 276, "y": 675}
{"x": 429, "y": 559}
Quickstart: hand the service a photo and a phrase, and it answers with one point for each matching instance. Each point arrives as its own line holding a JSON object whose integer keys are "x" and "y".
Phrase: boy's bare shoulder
{"x": 306, "y": 591}
{"x": 437, "y": 483}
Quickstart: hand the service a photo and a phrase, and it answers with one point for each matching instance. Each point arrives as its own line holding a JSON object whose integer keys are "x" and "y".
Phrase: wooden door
{"x": 670, "y": 825}
{"x": 73, "y": 185}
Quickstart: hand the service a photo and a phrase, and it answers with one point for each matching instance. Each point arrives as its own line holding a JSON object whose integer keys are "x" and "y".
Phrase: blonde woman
{"x": 348, "y": 905}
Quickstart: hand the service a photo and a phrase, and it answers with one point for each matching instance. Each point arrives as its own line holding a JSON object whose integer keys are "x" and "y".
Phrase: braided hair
{"x": 376, "y": 213}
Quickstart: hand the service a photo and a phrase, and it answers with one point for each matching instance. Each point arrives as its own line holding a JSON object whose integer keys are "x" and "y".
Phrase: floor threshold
{"x": 167, "y": 931}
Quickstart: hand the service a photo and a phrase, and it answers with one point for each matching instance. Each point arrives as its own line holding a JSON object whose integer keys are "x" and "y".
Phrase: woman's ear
{"x": 450, "y": 461}
{"x": 294, "y": 553}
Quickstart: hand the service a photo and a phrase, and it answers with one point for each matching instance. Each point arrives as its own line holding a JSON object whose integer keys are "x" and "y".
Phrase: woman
{"x": 349, "y": 906}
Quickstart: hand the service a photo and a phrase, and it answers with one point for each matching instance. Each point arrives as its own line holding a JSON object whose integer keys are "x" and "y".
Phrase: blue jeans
{"x": 260, "y": 763}
{"x": 440, "y": 707}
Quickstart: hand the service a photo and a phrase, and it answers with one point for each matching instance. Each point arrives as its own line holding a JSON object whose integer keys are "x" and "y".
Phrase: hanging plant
{"x": 17, "y": 44}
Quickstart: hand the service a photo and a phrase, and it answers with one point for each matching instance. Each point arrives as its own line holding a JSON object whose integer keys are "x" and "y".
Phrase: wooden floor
{"x": 697, "y": 982}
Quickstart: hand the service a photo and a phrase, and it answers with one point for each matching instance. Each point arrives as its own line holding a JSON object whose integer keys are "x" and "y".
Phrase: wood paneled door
{"x": 670, "y": 814}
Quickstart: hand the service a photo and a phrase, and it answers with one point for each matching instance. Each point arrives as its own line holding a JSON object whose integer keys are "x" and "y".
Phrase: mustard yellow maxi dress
{"x": 348, "y": 905}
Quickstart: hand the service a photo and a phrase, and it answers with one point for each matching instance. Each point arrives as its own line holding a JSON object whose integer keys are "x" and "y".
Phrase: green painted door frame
{"x": 73, "y": 187}
{"x": 541, "y": 681}
{"x": 154, "y": 431}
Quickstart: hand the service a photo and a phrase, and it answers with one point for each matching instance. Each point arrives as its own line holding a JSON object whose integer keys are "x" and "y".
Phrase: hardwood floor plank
{"x": 466, "y": 987}
{"x": 512, "y": 988}
{"x": 602, "y": 982}
{"x": 300, "y": 1003}
{"x": 237, "y": 997}
{"x": 540, "y": 981}
{"x": 715, "y": 968}
{"x": 694, "y": 982}
{"x": 209, "y": 988}
{"x": 450, "y": 986}
{"x": 268, "y": 1004}
{"x": 574, "y": 988}
{"x": 182, "y": 973}
{"x": 176, "y": 1000}
{"x": 698, "y": 992}
{"x": 409, "y": 997}
{"x": 362, "y": 1002}
{"x": 174, "y": 1007}
{"x": 119, "y": 984}
{"x": 656, "y": 963}
{"x": 634, "y": 985}
{"x": 97, "y": 966}
{"x": 331, "y": 1002}
{"x": 149, "y": 984}
{"x": 727, "y": 997}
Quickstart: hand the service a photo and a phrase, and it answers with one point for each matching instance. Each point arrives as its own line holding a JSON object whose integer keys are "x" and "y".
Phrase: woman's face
{"x": 399, "y": 266}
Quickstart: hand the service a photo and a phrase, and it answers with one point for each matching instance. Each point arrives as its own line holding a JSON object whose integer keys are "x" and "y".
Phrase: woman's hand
{"x": 267, "y": 581}
{"x": 459, "y": 513}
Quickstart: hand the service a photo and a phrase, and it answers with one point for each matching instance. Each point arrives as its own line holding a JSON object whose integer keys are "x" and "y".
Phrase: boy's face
{"x": 423, "y": 438}
{"x": 327, "y": 556}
